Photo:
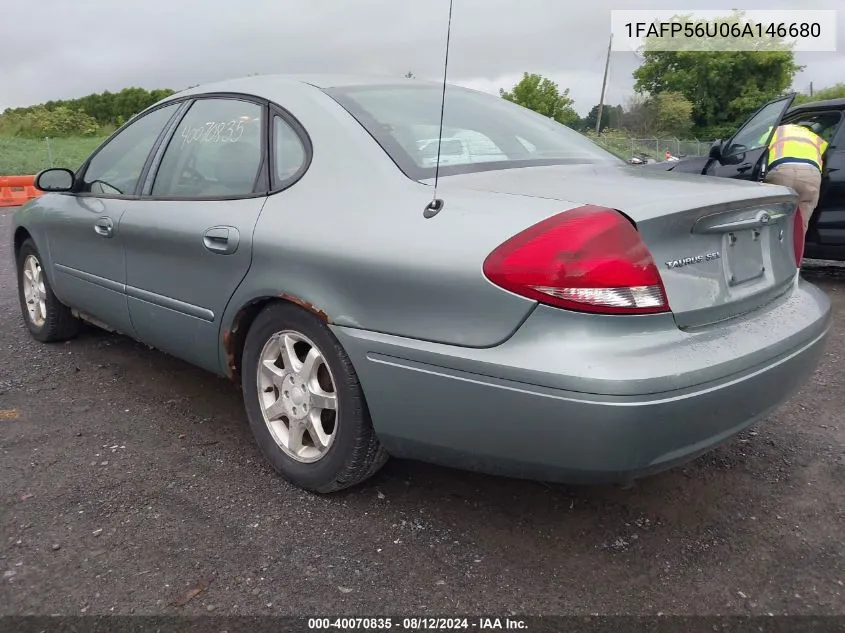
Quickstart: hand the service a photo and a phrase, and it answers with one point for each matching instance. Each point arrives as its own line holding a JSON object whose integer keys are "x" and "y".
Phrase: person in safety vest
{"x": 795, "y": 160}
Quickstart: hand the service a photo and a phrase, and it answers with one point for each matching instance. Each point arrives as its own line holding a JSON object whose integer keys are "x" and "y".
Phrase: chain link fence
{"x": 627, "y": 147}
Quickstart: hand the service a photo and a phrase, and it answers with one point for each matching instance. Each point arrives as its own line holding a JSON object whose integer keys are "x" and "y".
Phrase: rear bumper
{"x": 458, "y": 412}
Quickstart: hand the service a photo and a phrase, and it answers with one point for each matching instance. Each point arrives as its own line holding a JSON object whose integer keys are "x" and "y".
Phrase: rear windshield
{"x": 480, "y": 131}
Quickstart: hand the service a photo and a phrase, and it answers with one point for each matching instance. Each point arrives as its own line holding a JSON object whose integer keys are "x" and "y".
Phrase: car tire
{"x": 354, "y": 453}
{"x": 51, "y": 321}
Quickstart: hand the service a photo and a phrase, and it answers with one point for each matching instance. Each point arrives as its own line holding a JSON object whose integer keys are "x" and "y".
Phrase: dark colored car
{"x": 743, "y": 156}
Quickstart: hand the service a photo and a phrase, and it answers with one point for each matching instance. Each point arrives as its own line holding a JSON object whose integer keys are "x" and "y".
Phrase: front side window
{"x": 480, "y": 131}
{"x": 116, "y": 168}
{"x": 215, "y": 151}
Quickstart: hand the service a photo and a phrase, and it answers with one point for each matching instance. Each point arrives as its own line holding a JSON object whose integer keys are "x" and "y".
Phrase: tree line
{"x": 684, "y": 87}
{"x": 667, "y": 113}
{"x": 94, "y": 114}
{"x": 675, "y": 109}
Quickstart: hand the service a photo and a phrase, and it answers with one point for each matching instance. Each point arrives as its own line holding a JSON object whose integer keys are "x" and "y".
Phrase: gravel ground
{"x": 131, "y": 484}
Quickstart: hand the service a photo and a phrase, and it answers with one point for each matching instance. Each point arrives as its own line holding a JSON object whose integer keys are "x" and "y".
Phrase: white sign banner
{"x": 714, "y": 30}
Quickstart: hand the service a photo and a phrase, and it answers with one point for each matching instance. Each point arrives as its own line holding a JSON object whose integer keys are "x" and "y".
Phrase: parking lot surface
{"x": 131, "y": 484}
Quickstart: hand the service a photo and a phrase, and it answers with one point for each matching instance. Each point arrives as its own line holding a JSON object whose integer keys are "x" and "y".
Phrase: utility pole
{"x": 811, "y": 88}
{"x": 604, "y": 85}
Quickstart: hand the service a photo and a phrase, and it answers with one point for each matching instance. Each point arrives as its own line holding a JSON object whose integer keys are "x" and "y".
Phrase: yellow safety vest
{"x": 796, "y": 144}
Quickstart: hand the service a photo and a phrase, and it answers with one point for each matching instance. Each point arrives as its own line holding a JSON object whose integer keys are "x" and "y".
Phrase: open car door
{"x": 744, "y": 154}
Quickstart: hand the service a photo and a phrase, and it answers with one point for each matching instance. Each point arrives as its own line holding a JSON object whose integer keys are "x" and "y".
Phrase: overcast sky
{"x": 57, "y": 49}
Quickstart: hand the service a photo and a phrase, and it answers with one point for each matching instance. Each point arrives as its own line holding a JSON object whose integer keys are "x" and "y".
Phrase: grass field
{"x": 22, "y": 156}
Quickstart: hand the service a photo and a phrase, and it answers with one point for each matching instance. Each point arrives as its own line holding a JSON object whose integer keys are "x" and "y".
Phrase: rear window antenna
{"x": 436, "y": 205}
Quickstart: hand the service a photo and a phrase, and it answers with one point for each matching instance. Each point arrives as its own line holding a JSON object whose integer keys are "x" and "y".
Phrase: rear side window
{"x": 290, "y": 155}
{"x": 116, "y": 167}
{"x": 215, "y": 152}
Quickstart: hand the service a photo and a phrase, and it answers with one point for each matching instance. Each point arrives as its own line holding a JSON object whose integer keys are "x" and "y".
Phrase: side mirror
{"x": 55, "y": 180}
{"x": 716, "y": 150}
{"x": 735, "y": 155}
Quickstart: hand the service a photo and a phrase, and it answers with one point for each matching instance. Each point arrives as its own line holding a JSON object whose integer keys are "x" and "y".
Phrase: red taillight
{"x": 798, "y": 237}
{"x": 590, "y": 259}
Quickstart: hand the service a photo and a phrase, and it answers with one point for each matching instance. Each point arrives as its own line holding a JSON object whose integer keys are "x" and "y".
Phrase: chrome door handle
{"x": 104, "y": 227}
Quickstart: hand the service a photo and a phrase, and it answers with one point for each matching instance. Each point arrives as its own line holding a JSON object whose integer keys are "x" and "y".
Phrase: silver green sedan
{"x": 545, "y": 311}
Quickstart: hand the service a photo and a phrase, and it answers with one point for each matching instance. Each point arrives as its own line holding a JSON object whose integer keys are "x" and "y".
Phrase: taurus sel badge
{"x": 698, "y": 259}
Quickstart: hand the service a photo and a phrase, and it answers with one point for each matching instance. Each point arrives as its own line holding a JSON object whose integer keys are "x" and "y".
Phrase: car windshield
{"x": 480, "y": 131}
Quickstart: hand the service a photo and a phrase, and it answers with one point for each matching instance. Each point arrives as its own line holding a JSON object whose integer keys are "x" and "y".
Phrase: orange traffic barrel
{"x": 16, "y": 190}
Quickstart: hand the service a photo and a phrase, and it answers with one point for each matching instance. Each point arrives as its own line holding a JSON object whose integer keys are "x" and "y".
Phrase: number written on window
{"x": 216, "y": 151}
{"x": 214, "y": 132}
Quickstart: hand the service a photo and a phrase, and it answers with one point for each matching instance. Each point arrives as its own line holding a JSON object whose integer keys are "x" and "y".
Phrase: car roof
{"x": 827, "y": 104}
{"x": 267, "y": 86}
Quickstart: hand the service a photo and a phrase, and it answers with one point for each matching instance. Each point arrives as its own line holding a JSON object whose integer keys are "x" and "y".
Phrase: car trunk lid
{"x": 723, "y": 247}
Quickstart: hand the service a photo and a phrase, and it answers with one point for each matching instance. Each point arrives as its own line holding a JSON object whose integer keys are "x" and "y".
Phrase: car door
{"x": 188, "y": 239}
{"x": 743, "y": 155}
{"x": 826, "y": 233}
{"x": 85, "y": 242}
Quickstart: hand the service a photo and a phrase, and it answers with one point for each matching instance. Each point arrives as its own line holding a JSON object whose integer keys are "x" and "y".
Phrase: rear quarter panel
{"x": 350, "y": 240}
